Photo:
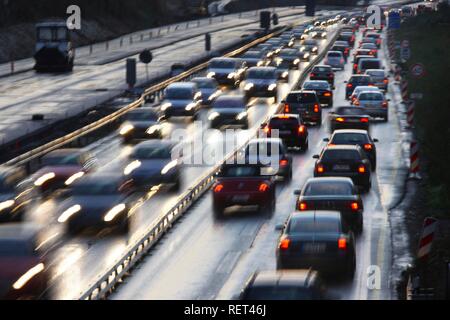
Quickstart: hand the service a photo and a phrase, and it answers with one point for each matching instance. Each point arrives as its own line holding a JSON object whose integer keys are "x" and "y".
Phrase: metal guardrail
{"x": 107, "y": 282}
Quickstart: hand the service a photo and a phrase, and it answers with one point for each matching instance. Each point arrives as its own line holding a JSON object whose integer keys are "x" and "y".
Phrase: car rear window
{"x": 318, "y": 225}
{"x": 283, "y": 123}
{"x": 240, "y": 171}
{"x": 312, "y": 85}
{"x": 360, "y": 80}
{"x": 349, "y": 138}
{"x": 328, "y": 188}
{"x": 376, "y": 73}
{"x": 370, "y": 64}
{"x": 154, "y": 152}
{"x": 301, "y": 98}
{"x": 337, "y": 154}
{"x": 370, "y": 96}
{"x": 335, "y": 54}
{"x": 350, "y": 111}
{"x": 322, "y": 69}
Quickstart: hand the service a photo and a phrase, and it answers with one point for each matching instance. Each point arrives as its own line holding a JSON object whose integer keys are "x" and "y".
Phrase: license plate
{"x": 241, "y": 198}
{"x": 314, "y": 247}
{"x": 341, "y": 167}
{"x": 285, "y": 132}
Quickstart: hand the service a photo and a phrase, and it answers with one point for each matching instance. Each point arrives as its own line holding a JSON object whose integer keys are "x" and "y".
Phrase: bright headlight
{"x": 190, "y": 106}
{"x": 126, "y": 129}
{"x": 260, "y": 63}
{"x": 248, "y": 86}
{"x": 213, "y": 115}
{"x": 214, "y": 95}
{"x": 284, "y": 74}
{"x": 27, "y": 276}
{"x": 152, "y": 129}
{"x": 131, "y": 167}
{"x": 241, "y": 115}
{"x": 6, "y": 204}
{"x": 44, "y": 178}
{"x": 273, "y": 86}
{"x": 111, "y": 214}
{"x": 211, "y": 74}
{"x": 231, "y": 75}
{"x": 165, "y": 106}
{"x": 170, "y": 165}
{"x": 73, "y": 177}
{"x": 68, "y": 213}
{"x": 296, "y": 61}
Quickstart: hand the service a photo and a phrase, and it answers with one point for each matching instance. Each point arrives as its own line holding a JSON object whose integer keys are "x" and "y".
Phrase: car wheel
{"x": 177, "y": 186}
{"x": 360, "y": 226}
{"x": 269, "y": 209}
{"x": 305, "y": 146}
{"x": 386, "y": 119}
{"x": 218, "y": 212}
{"x": 275, "y": 98}
{"x": 288, "y": 176}
{"x": 374, "y": 166}
{"x": 124, "y": 226}
{"x": 351, "y": 268}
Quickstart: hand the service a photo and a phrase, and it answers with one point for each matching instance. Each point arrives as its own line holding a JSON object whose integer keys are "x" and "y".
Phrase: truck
{"x": 54, "y": 49}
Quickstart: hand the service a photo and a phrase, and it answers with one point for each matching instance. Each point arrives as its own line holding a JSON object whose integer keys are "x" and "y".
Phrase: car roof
{"x": 299, "y": 277}
{"x": 350, "y": 131}
{"x": 359, "y": 76}
{"x": 314, "y": 214}
{"x": 19, "y": 231}
{"x": 285, "y": 115}
{"x": 229, "y": 97}
{"x": 343, "y": 147}
{"x": 371, "y": 92}
{"x": 330, "y": 179}
{"x": 224, "y": 59}
{"x": 187, "y": 85}
{"x": 273, "y": 69}
{"x": 265, "y": 140}
{"x": 115, "y": 177}
{"x": 202, "y": 79}
{"x": 317, "y": 81}
{"x": 322, "y": 66}
{"x": 302, "y": 91}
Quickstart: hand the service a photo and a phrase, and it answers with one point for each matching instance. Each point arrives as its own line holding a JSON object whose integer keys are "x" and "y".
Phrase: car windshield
{"x": 178, "y": 93}
{"x": 98, "y": 187}
{"x": 288, "y": 53}
{"x": 278, "y": 293}
{"x": 205, "y": 83}
{"x": 310, "y": 43}
{"x": 318, "y": 225}
{"x": 301, "y": 97}
{"x": 153, "y": 152}
{"x": 340, "y": 155}
{"x": 370, "y": 96}
{"x": 222, "y": 64}
{"x": 139, "y": 115}
{"x": 15, "y": 248}
{"x": 261, "y": 74}
{"x": 349, "y": 138}
{"x": 311, "y": 85}
{"x": 328, "y": 188}
{"x": 351, "y": 111}
{"x": 224, "y": 102}
{"x": 57, "y": 160}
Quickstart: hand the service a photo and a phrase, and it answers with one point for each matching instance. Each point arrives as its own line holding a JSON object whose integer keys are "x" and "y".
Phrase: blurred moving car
{"x": 374, "y": 104}
{"x": 208, "y": 88}
{"x": 229, "y": 110}
{"x": 155, "y": 162}
{"x": 306, "y": 104}
{"x": 140, "y": 124}
{"x": 290, "y": 128}
{"x": 244, "y": 185}
{"x": 322, "y": 72}
{"x": 226, "y": 71}
{"x": 335, "y": 59}
{"x": 332, "y": 193}
{"x": 355, "y": 81}
{"x": 320, "y": 240}
{"x": 255, "y": 58}
{"x": 61, "y": 167}
{"x": 99, "y": 201}
{"x": 25, "y": 257}
{"x": 359, "y": 89}
{"x": 323, "y": 91}
{"x": 181, "y": 99}
{"x": 303, "y": 284}
{"x": 16, "y": 193}
{"x": 311, "y": 46}
{"x": 379, "y": 78}
{"x": 368, "y": 63}
{"x": 348, "y": 117}
{"x": 261, "y": 82}
{"x": 344, "y": 161}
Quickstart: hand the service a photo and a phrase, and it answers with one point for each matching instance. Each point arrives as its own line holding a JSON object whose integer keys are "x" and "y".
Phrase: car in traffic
{"x": 348, "y": 117}
{"x": 290, "y": 128}
{"x": 226, "y": 71}
{"x": 209, "y": 88}
{"x": 229, "y": 110}
{"x": 266, "y": 48}
{"x": 359, "y": 89}
{"x": 254, "y": 58}
{"x": 322, "y": 72}
{"x": 323, "y": 91}
{"x": 374, "y": 104}
{"x": 333, "y": 193}
{"x": 101, "y": 201}
{"x": 379, "y": 78}
{"x": 356, "y": 62}
{"x": 376, "y": 36}
{"x": 261, "y": 82}
{"x": 17, "y": 193}
{"x": 361, "y": 138}
{"x": 335, "y": 59}
{"x": 181, "y": 99}
{"x": 304, "y": 284}
{"x": 318, "y": 33}
{"x": 25, "y": 261}
{"x": 368, "y": 63}
{"x": 311, "y": 46}
{"x": 153, "y": 163}
{"x": 61, "y": 167}
{"x": 306, "y": 104}
{"x": 320, "y": 240}
{"x": 356, "y": 81}
{"x": 347, "y": 36}
{"x": 289, "y": 59}
{"x": 372, "y": 47}
{"x": 344, "y": 161}
{"x": 364, "y": 52}
{"x": 343, "y": 47}
{"x": 244, "y": 185}
{"x": 140, "y": 124}
{"x": 267, "y": 151}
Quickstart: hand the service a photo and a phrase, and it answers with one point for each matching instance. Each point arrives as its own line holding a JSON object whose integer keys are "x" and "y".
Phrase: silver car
{"x": 335, "y": 59}
{"x": 379, "y": 78}
{"x": 359, "y": 89}
{"x": 374, "y": 103}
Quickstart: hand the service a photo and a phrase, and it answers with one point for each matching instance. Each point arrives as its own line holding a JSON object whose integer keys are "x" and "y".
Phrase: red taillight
{"x": 284, "y": 244}
{"x": 362, "y": 169}
{"x": 266, "y": 129}
{"x": 316, "y": 108}
{"x": 386, "y": 81}
{"x": 301, "y": 129}
{"x": 263, "y": 187}
{"x": 320, "y": 168}
{"x": 284, "y": 162}
{"x": 312, "y": 75}
{"x": 342, "y": 61}
{"x": 365, "y": 120}
{"x": 218, "y": 188}
{"x": 355, "y": 66}
{"x": 356, "y": 102}
{"x": 327, "y": 94}
{"x": 385, "y": 104}
{"x": 368, "y": 146}
{"x": 302, "y": 206}
{"x": 331, "y": 76}
{"x": 287, "y": 109}
{"x": 349, "y": 85}
{"x": 342, "y": 243}
{"x": 354, "y": 206}
{"x": 340, "y": 119}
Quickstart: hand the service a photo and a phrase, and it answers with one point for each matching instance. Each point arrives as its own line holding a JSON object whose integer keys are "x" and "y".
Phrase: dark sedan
{"x": 228, "y": 111}
{"x": 355, "y": 81}
{"x": 344, "y": 161}
{"x": 320, "y": 240}
{"x": 226, "y": 71}
{"x": 348, "y": 117}
{"x": 290, "y": 128}
{"x": 304, "y": 103}
{"x": 261, "y": 82}
{"x": 322, "y": 89}
{"x": 332, "y": 193}
{"x": 181, "y": 99}
{"x": 208, "y": 88}
{"x": 140, "y": 124}
{"x": 322, "y": 72}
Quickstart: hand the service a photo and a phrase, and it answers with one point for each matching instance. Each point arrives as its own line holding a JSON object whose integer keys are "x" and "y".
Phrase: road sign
{"x": 405, "y": 43}
{"x": 394, "y": 20}
{"x": 418, "y": 70}
{"x": 405, "y": 54}
{"x": 146, "y": 56}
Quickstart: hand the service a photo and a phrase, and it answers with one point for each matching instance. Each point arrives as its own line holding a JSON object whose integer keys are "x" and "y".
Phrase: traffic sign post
{"x": 146, "y": 57}
{"x": 417, "y": 70}
{"x": 405, "y": 54}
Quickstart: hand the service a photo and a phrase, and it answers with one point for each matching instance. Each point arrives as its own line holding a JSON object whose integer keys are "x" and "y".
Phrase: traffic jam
{"x": 280, "y": 114}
